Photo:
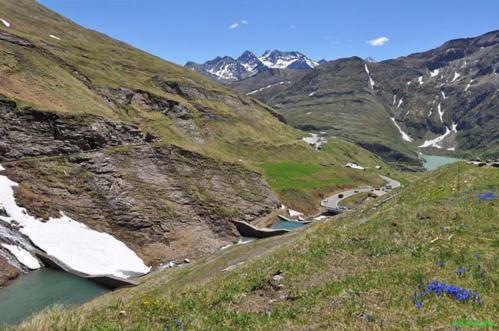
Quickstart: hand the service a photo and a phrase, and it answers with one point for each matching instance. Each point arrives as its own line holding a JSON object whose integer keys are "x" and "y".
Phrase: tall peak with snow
{"x": 280, "y": 60}
{"x": 248, "y": 64}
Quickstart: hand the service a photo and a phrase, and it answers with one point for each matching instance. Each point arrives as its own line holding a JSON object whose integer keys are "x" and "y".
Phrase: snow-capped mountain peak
{"x": 280, "y": 60}
{"x": 248, "y": 64}
{"x": 251, "y": 62}
{"x": 370, "y": 60}
{"x": 224, "y": 68}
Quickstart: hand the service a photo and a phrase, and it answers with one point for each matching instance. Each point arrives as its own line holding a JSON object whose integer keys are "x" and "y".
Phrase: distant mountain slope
{"x": 226, "y": 69}
{"x": 267, "y": 81}
{"x": 443, "y": 99}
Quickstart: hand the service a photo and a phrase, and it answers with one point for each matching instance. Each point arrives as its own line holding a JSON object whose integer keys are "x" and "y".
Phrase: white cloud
{"x": 378, "y": 41}
{"x": 236, "y": 25}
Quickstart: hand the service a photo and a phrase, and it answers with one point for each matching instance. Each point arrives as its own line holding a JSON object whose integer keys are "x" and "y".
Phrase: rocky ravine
{"x": 164, "y": 202}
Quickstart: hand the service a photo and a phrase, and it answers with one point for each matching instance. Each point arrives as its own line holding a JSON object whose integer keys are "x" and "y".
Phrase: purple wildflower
{"x": 461, "y": 271}
{"x": 453, "y": 291}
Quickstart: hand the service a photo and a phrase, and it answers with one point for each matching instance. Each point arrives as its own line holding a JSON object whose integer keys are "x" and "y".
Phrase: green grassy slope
{"x": 336, "y": 97}
{"x": 81, "y": 72}
{"x": 358, "y": 271}
{"x": 300, "y": 185}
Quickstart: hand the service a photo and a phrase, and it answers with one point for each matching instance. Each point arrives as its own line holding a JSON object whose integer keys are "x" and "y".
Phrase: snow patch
{"x": 443, "y": 95}
{"x": 405, "y": 136}
{"x": 394, "y": 99}
{"x": 354, "y": 166}
{"x": 7, "y": 24}
{"x": 400, "y": 102}
{"x": 294, "y": 213}
{"x": 436, "y": 142}
{"x": 54, "y": 37}
{"x": 311, "y": 94}
{"x": 314, "y": 140}
{"x": 73, "y": 243}
{"x": 371, "y": 81}
{"x": 284, "y": 60}
{"x": 440, "y": 112}
{"x": 456, "y": 76}
{"x": 250, "y": 67}
{"x": 434, "y": 72}
{"x": 224, "y": 72}
{"x": 468, "y": 86}
{"x": 268, "y": 86}
{"x": 23, "y": 256}
{"x": 420, "y": 80}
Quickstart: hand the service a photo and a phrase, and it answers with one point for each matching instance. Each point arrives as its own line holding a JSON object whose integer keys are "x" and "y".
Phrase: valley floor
{"x": 364, "y": 270}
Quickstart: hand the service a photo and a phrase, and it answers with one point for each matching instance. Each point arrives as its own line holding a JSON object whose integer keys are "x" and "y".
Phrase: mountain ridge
{"x": 441, "y": 100}
{"x": 227, "y": 69}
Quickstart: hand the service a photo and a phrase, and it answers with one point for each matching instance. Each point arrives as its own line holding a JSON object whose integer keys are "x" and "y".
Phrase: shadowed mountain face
{"x": 444, "y": 99}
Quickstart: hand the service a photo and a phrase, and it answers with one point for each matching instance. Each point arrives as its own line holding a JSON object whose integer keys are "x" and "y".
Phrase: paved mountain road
{"x": 332, "y": 201}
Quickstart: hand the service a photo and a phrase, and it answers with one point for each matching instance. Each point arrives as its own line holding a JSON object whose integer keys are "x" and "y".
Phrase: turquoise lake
{"x": 432, "y": 162}
{"x": 285, "y": 225}
{"x": 43, "y": 288}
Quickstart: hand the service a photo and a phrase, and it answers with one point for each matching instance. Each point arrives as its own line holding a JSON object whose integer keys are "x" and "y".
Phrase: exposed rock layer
{"x": 163, "y": 201}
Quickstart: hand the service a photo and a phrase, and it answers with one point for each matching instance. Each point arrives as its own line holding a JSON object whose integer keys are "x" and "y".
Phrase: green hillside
{"x": 334, "y": 97}
{"x": 357, "y": 271}
{"x": 444, "y": 100}
{"x": 153, "y": 153}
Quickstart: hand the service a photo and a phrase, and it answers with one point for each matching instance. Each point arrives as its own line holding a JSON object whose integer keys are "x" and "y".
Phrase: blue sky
{"x": 182, "y": 30}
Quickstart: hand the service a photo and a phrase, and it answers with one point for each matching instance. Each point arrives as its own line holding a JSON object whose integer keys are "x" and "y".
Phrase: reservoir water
{"x": 432, "y": 162}
{"x": 43, "y": 288}
{"x": 285, "y": 225}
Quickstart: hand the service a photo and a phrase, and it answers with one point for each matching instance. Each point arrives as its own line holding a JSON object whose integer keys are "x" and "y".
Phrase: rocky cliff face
{"x": 30, "y": 133}
{"x": 163, "y": 201}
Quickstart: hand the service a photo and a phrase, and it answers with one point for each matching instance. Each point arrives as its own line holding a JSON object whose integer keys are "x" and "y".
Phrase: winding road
{"x": 331, "y": 202}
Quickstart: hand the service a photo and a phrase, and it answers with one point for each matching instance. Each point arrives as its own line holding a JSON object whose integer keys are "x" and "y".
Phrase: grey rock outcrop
{"x": 30, "y": 133}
